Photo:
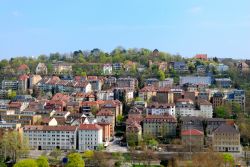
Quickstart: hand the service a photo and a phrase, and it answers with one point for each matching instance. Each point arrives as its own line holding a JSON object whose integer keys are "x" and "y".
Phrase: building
{"x": 192, "y": 139}
{"x": 41, "y": 69}
{"x": 105, "y": 95}
{"x": 166, "y": 83}
{"x": 23, "y": 83}
{"x": 89, "y": 136}
{"x": 185, "y": 107}
{"x": 8, "y": 84}
{"x": 51, "y": 137}
{"x": 117, "y": 66}
{"x": 206, "y": 108}
{"x": 243, "y": 67}
{"x": 164, "y": 95}
{"x": 222, "y": 68}
{"x": 223, "y": 82}
{"x": 62, "y": 68}
{"x": 226, "y": 138}
{"x": 127, "y": 83}
{"x": 107, "y": 116}
{"x": 23, "y": 69}
{"x": 201, "y": 56}
{"x": 198, "y": 80}
{"x": 237, "y": 96}
{"x": 107, "y": 69}
{"x": 159, "y": 126}
{"x": 147, "y": 92}
{"x": 161, "y": 109}
{"x": 180, "y": 67}
{"x": 133, "y": 132}
{"x": 151, "y": 81}
{"x": 218, "y": 99}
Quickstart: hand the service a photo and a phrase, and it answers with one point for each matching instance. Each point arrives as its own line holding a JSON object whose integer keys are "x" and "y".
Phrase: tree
{"x": 100, "y": 147}
{"x": 14, "y": 145}
{"x": 88, "y": 154}
{"x": 120, "y": 118}
{"x": 153, "y": 143}
{"x": 26, "y": 163}
{"x": 83, "y": 74}
{"x": 207, "y": 159}
{"x": 228, "y": 159}
{"x": 11, "y": 94}
{"x": 42, "y": 161}
{"x": 223, "y": 111}
{"x": 2, "y": 164}
{"x": 161, "y": 75}
{"x": 75, "y": 160}
{"x": 56, "y": 153}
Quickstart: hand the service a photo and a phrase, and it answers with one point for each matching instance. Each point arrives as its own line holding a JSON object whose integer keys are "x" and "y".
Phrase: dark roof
{"x": 225, "y": 128}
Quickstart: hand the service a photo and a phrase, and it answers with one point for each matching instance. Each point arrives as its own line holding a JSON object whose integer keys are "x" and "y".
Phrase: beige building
{"x": 159, "y": 126}
{"x": 41, "y": 69}
{"x": 226, "y": 138}
{"x": 61, "y": 68}
{"x": 106, "y": 116}
{"x": 192, "y": 138}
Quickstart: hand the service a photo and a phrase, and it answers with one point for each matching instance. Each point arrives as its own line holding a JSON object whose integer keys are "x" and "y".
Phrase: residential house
{"x": 192, "y": 139}
{"x": 107, "y": 69}
{"x": 61, "y": 68}
{"x": 90, "y": 137}
{"x": 9, "y": 84}
{"x": 127, "y": 83}
{"x": 180, "y": 67}
{"x": 105, "y": 95}
{"x": 226, "y": 138}
{"x": 151, "y": 82}
{"x": 147, "y": 92}
{"x": 222, "y": 68}
{"x": 23, "y": 83}
{"x": 164, "y": 95}
{"x": 159, "y": 126}
{"x": 161, "y": 109}
{"x": 218, "y": 99}
{"x": 107, "y": 116}
{"x": 166, "y": 83}
{"x": 201, "y": 56}
{"x": 41, "y": 69}
{"x": 117, "y": 66}
{"x": 134, "y": 132}
{"x": 23, "y": 69}
{"x": 237, "y": 96}
{"x": 223, "y": 82}
{"x": 198, "y": 80}
{"x": 51, "y": 137}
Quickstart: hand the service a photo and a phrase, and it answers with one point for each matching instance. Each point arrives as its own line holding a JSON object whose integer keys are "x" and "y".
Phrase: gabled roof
{"x": 225, "y": 128}
{"x": 192, "y": 132}
{"x": 89, "y": 127}
{"x": 105, "y": 112}
{"x": 23, "y": 67}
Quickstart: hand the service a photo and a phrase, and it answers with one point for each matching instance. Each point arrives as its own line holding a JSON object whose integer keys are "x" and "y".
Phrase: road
{"x": 114, "y": 146}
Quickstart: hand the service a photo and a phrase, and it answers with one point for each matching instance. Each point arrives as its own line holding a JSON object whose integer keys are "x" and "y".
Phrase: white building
{"x": 185, "y": 107}
{"x": 206, "y": 109}
{"x": 105, "y": 95}
{"x": 161, "y": 109}
{"x": 90, "y": 136}
{"x": 41, "y": 69}
{"x": 198, "y": 80}
{"x": 51, "y": 137}
{"x": 222, "y": 68}
{"x": 107, "y": 69}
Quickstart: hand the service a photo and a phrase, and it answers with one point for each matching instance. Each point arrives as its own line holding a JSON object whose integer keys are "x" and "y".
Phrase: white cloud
{"x": 195, "y": 10}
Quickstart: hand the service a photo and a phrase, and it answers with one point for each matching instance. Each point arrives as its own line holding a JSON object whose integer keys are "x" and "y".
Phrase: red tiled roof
{"x": 50, "y": 128}
{"x": 184, "y": 100}
{"x": 201, "y": 56}
{"x": 23, "y": 77}
{"x": 159, "y": 118}
{"x": 105, "y": 112}
{"x": 192, "y": 132}
{"x": 148, "y": 89}
{"x": 89, "y": 127}
{"x": 23, "y": 67}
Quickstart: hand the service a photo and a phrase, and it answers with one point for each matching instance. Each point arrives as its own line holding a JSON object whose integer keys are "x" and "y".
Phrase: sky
{"x": 218, "y": 28}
